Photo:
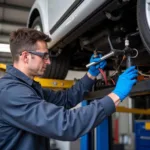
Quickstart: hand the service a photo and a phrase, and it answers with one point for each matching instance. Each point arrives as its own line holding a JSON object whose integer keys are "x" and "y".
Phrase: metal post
{"x": 130, "y": 102}
{"x": 87, "y": 141}
{"x": 84, "y": 139}
{"x": 129, "y": 61}
{"x": 102, "y": 136}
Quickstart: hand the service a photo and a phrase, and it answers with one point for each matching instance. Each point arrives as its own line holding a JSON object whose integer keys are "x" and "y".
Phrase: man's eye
{"x": 47, "y": 56}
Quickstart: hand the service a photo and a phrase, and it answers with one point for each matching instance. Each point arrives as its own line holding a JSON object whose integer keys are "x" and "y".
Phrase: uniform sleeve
{"x": 70, "y": 97}
{"x": 24, "y": 110}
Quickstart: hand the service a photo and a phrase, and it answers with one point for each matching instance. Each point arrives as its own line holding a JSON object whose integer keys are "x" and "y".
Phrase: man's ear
{"x": 25, "y": 57}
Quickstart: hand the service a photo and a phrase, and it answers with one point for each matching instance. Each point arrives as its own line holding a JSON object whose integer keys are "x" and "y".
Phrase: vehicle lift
{"x": 100, "y": 138}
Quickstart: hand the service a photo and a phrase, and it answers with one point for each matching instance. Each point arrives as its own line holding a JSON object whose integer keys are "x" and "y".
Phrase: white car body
{"x": 52, "y": 10}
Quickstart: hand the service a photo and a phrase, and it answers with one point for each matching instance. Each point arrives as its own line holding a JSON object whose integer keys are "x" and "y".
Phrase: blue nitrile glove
{"x": 125, "y": 82}
{"x": 93, "y": 70}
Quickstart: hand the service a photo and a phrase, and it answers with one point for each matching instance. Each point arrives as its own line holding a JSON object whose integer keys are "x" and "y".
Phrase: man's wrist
{"x": 115, "y": 98}
{"x": 90, "y": 76}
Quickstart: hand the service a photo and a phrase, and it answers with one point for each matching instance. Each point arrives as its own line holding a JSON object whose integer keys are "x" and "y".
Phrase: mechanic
{"x": 31, "y": 115}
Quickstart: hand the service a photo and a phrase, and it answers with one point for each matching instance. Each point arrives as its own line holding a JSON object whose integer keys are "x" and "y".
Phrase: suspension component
{"x": 126, "y": 51}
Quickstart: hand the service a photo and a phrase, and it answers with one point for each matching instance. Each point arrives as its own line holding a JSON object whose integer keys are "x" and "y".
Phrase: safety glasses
{"x": 44, "y": 55}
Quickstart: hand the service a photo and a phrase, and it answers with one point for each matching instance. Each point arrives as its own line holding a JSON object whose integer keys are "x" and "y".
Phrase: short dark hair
{"x": 25, "y": 39}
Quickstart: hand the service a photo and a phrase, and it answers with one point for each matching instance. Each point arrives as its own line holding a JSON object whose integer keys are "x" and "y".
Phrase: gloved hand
{"x": 93, "y": 70}
{"x": 125, "y": 82}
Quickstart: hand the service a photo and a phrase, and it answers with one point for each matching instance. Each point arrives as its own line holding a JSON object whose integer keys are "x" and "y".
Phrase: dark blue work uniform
{"x": 31, "y": 115}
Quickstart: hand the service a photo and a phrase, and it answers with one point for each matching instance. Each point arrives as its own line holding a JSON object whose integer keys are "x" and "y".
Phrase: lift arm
{"x": 49, "y": 83}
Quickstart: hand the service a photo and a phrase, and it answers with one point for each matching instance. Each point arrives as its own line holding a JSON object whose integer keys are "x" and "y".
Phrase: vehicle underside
{"x": 107, "y": 28}
{"x": 117, "y": 20}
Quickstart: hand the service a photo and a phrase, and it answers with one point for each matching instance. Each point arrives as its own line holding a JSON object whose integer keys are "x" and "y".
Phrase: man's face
{"x": 37, "y": 64}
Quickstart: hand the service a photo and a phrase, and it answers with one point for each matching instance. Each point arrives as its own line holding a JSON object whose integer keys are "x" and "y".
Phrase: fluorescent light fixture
{"x": 4, "y": 48}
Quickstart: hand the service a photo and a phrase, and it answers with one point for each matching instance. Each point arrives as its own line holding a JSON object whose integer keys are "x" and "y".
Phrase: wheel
{"x": 143, "y": 19}
{"x": 59, "y": 66}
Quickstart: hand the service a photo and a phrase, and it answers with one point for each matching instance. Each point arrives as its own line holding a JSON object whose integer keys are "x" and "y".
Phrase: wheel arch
{"x": 39, "y": 9}
{"x": 35, "y": 13}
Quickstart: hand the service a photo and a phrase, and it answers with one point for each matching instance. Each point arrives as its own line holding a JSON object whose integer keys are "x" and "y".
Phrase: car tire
{"x": 143, "y": 23}
{"x": 59, "y": 66}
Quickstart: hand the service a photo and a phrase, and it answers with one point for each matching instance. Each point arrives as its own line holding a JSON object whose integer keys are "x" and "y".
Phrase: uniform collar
{"x": 17, "y": 73}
